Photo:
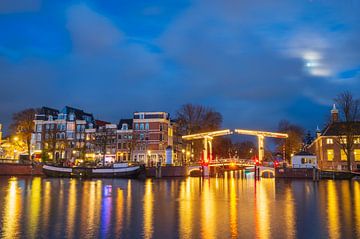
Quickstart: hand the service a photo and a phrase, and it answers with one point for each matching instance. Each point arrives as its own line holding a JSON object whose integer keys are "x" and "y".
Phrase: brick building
{"x": 328, "y": 149}
{"x": 153, "y": 133}
{"x": 125, "y": 140}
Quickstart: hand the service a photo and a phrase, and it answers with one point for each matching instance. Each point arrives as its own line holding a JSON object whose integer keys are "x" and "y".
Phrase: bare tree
{"x": 294, "y": 142}
{"x": 194, "y": 119}
{"x": 105, "y": 138}
{"x": 197, "y": 118}
{"x": 348, "y": 128}
{"x": 23, "y": 126}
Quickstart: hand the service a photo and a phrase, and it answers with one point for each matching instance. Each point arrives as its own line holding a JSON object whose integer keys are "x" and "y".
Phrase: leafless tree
{"x": 23, "y": 126}
{"x": 104, "y": 138}
{"x": 195, "y": 119}
{"x": 348, "y": 127}
{"x": 294, "y": 142}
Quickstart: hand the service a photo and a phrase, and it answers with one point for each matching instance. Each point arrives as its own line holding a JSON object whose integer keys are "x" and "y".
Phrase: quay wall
{"x": 14, "y": 169}
{"x": 168, "y": 171}
{"x": 294, "y": 173}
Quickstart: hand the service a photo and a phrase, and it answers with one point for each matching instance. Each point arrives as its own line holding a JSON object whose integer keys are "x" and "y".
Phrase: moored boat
{"x": 122, "y": 170}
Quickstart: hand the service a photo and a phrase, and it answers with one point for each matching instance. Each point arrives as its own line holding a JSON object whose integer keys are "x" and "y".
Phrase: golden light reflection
{"x": 148, "y": 210}
{"x": 185, "y": 210}
{"x": 128, "y": 204}
{"x": 71, "y": 209}
{"x": 333, "y": 211}
{"x": 346, "y": 203}
{"x": 208, "y": 212}
{"x": 357, "y": 206}
{"x": 263, "y": 190}
{"x": 12, "y": 210}
{"x": 46, "y": 204}
{"x": 119, "y": 211}
{"x": 289, "y": 214}
{"x": 35, "y": 201}
{"x": 233, "y": 210}
{"x": 88, "y": 212}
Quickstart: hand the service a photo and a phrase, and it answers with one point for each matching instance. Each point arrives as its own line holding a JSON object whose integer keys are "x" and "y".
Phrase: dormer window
{"x": 124, "y": 127}
{"x": 72, "y": 117}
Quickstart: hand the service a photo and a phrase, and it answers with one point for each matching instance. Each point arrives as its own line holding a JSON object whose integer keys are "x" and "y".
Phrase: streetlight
{"x": 149, "y": 156}
{"x": 182, "y": 156}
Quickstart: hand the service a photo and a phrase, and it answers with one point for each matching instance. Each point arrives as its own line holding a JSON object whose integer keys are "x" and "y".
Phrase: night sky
{"x": 255, "y": 61}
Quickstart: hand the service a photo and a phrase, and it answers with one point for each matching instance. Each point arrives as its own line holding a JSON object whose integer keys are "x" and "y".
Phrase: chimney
{"x": 334, "y": 114}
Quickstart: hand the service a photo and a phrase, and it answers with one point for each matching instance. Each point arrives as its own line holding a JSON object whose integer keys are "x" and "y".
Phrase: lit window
{"x": 124, "y": 127}
{"x": 329, "y": 141}
{"x": 357, "y": 154}
{"x": 330, "y": 154}
{"x": 343, "y": 141}
{"x": 38, "y": 128}
{"x": 357, "y": 141}
{"x": 343, "y": 155}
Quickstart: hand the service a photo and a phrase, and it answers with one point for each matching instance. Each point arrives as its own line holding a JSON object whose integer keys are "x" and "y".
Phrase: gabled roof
{"x": 79, "y": 114}
{"x": 99, "y": 123}
{"x": 340, "y": 128}
{"x": 129, "y": 122}
{"x": 304, "y": 153}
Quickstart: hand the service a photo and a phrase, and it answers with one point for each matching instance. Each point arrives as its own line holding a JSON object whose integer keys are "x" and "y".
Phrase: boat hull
{"x": 66, "y": 172}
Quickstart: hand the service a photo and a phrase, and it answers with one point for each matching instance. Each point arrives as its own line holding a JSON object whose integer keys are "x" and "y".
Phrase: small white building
{"x": 304, "y": 160}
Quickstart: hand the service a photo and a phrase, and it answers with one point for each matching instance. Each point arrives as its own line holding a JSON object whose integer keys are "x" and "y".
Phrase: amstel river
{"x": 228, "y": 207}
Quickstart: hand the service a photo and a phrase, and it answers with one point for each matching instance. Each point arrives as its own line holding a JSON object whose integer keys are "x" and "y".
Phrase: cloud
{"x": 90, "y": 31}
{"x": 10, "y": 6}
{"x": 256, "y": 62}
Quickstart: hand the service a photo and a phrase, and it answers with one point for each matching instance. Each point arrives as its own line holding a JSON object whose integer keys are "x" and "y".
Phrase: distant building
{"x": 60, "y": 135}
{"x": 329, "y": 152}
{"x": 153, "y": 134}
{"x": 304, "y": 160}
{"x": 125, "y": 141}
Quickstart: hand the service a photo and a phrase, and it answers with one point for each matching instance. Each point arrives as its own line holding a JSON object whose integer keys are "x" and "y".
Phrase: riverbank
{"x": 15, "y": 169}
{"x": 309, "y": 173}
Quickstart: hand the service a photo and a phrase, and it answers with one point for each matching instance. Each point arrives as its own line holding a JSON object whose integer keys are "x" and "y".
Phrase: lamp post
{"x": 187, "y": 156}
{"x": 149, "y": 157}
{"x": 182, "y": 156}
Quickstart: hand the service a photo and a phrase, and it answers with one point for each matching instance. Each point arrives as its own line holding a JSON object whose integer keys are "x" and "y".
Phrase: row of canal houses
{"x": 72, "y": 135}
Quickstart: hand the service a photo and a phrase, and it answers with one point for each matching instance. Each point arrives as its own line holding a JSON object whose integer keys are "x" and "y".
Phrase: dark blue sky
{"x": 255, "y": 61}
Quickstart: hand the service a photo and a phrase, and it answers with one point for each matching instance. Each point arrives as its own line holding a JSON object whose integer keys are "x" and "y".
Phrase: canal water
{"x": 228, "y": 207}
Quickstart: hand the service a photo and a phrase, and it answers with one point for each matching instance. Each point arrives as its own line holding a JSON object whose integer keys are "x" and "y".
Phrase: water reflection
{"x": 12, "y": 210}
{"x": 185, "y": 210}
{"x": 71, "y": 209}
{"x": 228, "y": 207}
{"x": 148, "y": 210}
{"x": 289, "y": 214}
{"x": 333, "y": 213}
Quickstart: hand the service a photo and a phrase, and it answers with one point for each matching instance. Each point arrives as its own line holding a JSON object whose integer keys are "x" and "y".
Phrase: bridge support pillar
{"x": 205, "y": 151}
{"x": 210, "y": 151}
{"x": 261, "y": 147}
{"x": 206, "y": 171}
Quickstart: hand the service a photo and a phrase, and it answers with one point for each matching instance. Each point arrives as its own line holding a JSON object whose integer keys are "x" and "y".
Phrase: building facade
{"x": 328, "y": 145}
{"x": 125, "y": 141}
{"x": 153, "y": 133}
{"x": 60, "y": 135}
